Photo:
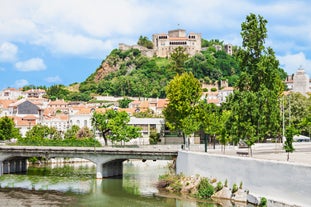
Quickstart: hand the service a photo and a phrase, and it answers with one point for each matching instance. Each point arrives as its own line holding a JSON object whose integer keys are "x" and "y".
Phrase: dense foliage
{"x": 7, "y": 129}
{"x": 113, "y": 125}
{"x": 183, "y": 93}
{"x": 145, "y": 42}
{"x": 48, "y": 136}
{"x": 255, "y": 105}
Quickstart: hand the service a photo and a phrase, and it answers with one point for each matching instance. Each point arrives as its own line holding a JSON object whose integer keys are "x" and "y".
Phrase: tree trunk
{"x": 105, "y": 139}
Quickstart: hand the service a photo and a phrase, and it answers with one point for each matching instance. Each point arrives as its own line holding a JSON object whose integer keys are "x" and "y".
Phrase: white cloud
{"x": 20, "y": 83}
{"x": 89, "y": 29}
{"x": 8, "y": 52}
{"x": 53, "y": 79}
{"x": 63, "y": 43}
{"x": 33, "y": 64}
{"x": 291, "y": 62}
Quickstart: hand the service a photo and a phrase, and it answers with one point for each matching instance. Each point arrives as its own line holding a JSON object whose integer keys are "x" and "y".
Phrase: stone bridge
{"x": 108, "y": 160}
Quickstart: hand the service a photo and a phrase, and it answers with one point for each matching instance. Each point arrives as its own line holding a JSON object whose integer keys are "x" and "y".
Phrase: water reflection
{"x": 136, "y": 188}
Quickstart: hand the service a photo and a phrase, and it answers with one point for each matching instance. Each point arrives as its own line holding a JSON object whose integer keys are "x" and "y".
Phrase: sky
{"x": 44, "y": 42}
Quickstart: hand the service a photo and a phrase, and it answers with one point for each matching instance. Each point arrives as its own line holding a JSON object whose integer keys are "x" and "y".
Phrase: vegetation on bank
{"x": 48, "y": 136}
{"x": 203, "y": 188}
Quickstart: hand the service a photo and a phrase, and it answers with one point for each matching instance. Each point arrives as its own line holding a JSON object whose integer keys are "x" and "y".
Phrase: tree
{"x": 288, "y": 144}
{"x": 179, "y": 57}
{"x": 7, "y": 129}
{"x": 42, "y": 132}
{"x": 120, "y": 131}
{"x": 100, "y": 123}
{"x": 72, "y": 132}
{"x": 210, "y": 117}
{"x": 113, "y": 125}
{"x": 255, "y": 105}
{"x": 183, "y": 93}
{"x": 124, "y": 103}
{"x": 144, "y": 41}
{"x": 84, "y": 132}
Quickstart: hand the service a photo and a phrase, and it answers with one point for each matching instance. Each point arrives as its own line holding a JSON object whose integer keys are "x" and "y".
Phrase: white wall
{"x": 280, "y": 181}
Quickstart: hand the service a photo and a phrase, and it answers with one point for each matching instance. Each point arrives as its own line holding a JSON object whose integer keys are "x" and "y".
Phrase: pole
{"x": 205, "y": 142}
{"x": 283, "y": 117}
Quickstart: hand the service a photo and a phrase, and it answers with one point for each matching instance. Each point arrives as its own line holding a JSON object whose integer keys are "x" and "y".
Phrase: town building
{"x": 301, "y": 82}
{"x": 298, "y": 82}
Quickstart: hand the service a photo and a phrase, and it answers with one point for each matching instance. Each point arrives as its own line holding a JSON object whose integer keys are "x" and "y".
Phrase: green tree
{"x": 71, "y": 133}
{"x": 144, "y": 41}
{"x": 57, "y": 92}
{"x": 256, "y": 107}
{"x": 288, "y": 144}
{"x": 120, "y": 131}
{"x": 179, "y": 57}
{"x": 100, "y": 123}
{"x": 42, "y": 132}
{"x": 113, "y": 125}
{"x": 124, "y": 103}
{"x": 183, "y": 93}
{"x": 7, "y": 129}
{"x": 210, "y": 116}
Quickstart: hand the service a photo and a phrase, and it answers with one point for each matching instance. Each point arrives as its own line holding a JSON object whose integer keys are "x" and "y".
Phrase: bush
{"x": 219, "y": 186}
{"x": 263, "y": 202}
{"x": 205, "y": 189}
{"x": 235, "y": 188}
{"x": 154, "y": 138}
{"x": 213, "y": 89}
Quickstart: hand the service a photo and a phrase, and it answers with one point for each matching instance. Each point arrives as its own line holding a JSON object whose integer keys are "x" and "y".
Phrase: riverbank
{"x": 24, "y": 198}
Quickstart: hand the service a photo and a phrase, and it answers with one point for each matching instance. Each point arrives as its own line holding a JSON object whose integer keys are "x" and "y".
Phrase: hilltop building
{"x": 164, "y": 44}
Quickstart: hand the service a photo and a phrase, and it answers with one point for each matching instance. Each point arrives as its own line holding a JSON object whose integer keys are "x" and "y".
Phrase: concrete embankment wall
{"x": 279, "y": 181}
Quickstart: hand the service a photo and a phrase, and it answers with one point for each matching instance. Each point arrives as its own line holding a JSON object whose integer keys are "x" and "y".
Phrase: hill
{"x": 129, "y": 73}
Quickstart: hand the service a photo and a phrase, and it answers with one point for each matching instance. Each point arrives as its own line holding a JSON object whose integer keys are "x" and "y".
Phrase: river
{"x": 75, "y": 185}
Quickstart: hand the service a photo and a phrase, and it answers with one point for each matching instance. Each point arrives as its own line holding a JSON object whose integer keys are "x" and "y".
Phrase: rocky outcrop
{"x": 104, "y": 70}
{"x": 239, "y": 196}
{"x": 224, "y": 193}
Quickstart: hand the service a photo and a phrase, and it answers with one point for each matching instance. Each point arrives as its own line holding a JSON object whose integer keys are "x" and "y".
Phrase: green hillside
{"x": 129, "y": 73}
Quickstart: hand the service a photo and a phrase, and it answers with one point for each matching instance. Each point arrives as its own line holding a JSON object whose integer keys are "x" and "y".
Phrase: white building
{"x": 301, "y": 82}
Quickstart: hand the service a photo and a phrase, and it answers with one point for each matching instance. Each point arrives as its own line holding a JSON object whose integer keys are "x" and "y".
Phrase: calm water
{"x": 76, "y": 186}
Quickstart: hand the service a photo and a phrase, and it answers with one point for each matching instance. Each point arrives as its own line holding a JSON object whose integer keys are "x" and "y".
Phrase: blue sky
{"x": 44, "y": 42}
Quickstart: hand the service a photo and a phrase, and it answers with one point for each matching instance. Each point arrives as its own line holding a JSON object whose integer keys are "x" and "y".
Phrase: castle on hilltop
{"x": 165, "y": 43}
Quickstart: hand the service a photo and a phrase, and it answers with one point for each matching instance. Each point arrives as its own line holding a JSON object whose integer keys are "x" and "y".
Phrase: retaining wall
{"x": 279, "y": 181}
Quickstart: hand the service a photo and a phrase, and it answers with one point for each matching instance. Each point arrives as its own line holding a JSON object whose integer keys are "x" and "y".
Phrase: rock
{"x": 239, "y": 196}
{"x": 252, "y": 199}
{"x": 224, "y": 193}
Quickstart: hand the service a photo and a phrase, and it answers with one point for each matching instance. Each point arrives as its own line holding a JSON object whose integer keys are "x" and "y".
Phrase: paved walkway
{"x": 268, "y": 151}
{"x": 301, "y": 155}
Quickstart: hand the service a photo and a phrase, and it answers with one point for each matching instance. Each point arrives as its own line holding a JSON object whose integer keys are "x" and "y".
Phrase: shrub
{"x": 154, "y": 138}
{"x": 213, "y": 89}
{"x": 263, "y": 202}
{"x": 205, "y": 189}
{"x": 234, "y": 188}
{"x": 219, "y": 186}
{"x": 226, "y": 183}
{"x": 241, "y": 185}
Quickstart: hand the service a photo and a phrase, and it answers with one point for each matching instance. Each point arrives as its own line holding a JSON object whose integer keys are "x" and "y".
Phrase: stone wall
{"x": 275, "y": 180}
